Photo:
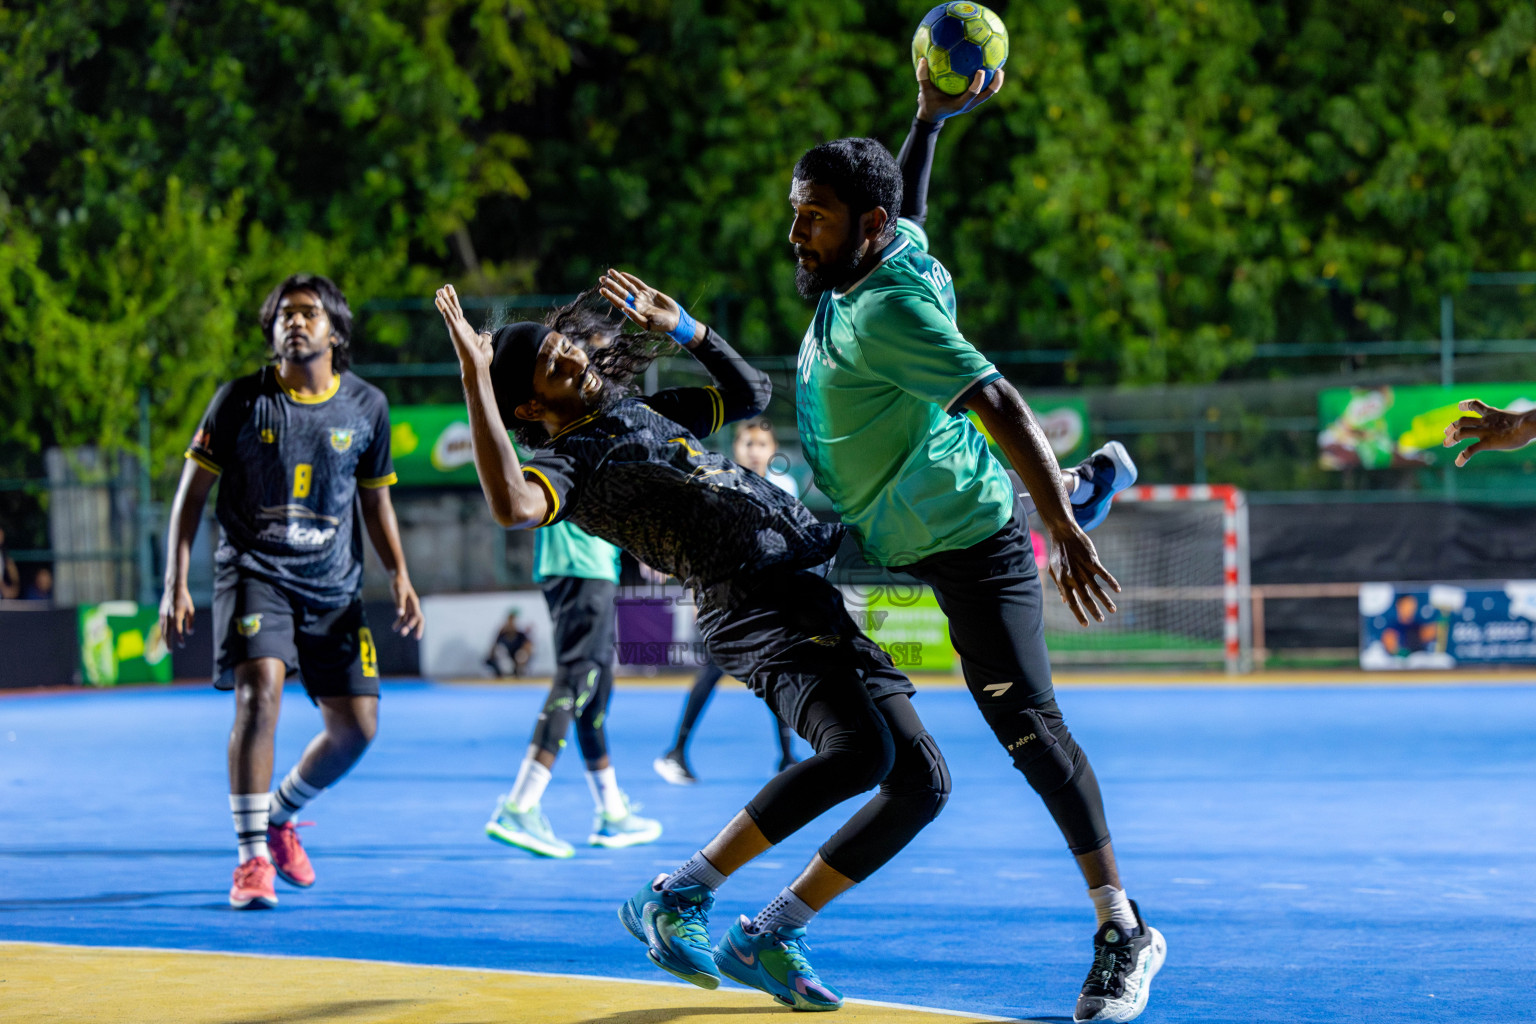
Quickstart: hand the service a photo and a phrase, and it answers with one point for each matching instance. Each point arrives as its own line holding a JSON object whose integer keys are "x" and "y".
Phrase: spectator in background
{"x": 40, "y": 588}
{"x": 511, "y": 649}
{"x": 10, "y": 579}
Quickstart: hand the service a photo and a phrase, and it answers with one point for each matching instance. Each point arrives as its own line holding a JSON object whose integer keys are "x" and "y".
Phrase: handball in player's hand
{"x": 959, "y": 39}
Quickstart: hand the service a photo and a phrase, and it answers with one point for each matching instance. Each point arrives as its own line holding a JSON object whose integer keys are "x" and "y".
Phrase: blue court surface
{"x": 1311, "y": 853}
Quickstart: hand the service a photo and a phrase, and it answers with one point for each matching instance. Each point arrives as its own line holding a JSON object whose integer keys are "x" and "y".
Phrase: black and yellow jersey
{"x": 289, "y": 467}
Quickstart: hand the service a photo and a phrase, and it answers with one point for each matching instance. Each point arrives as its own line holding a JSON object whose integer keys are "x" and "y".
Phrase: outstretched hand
{"x": 933, "y": 104}
{"x": 1496, "y": 430}
{"x": 642, "y": 304}
{"x": 473, "y": 348}
{"x": 1075, "y": 569}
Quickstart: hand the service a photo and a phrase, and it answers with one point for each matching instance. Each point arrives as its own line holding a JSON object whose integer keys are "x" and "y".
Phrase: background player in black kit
{"x": 631, "y": 470}
{"x": 297, "y": 448}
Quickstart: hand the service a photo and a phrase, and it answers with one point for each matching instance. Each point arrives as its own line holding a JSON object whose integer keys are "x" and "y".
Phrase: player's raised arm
{"x": 743, "y": 390}
{"x": 515, "y": 502}
{"x": 1495, "y": 430}
{"x": 933, "y": 108}
{"x": 1075, "y": 564}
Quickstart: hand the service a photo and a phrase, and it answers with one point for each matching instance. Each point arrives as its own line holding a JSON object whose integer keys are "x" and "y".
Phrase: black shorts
{"x": 331, "y": 649}
{"x": 791, "y": 633}
{"x": 581, "y": 611}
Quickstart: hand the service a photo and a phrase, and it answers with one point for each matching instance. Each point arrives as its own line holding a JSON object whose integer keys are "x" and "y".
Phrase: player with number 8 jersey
{"x": 296, "y": 449}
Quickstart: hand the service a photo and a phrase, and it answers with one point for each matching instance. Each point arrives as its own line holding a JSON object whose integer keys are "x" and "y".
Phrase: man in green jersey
{"x": 885, "y": 377}
{"x": 580, "y": 576}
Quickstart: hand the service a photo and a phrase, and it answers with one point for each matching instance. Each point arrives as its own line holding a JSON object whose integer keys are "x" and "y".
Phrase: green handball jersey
{"x": 564, "y": 549}
{"x": 884, "y": 377}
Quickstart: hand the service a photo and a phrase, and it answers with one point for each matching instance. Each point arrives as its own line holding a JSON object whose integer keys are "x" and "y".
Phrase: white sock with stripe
{"x": 250, "y": 814}
{"x": 528, "y": 790}
{"x": 606, "y": 794}
{"x": 290, "y": 797}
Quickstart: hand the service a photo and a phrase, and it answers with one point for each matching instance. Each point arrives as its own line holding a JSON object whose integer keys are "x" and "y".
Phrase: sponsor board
{"x": 120, "y": 642}
{"x": 1446, "y": 625}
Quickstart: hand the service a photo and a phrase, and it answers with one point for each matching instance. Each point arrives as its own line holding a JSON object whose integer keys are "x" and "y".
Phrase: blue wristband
{"x": 686, "y": 326}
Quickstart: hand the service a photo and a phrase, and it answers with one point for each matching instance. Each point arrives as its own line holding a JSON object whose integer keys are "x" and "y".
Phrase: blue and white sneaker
{"x": 526, "y": 829}
{"x": 628, "y": 830}
{"x": 774, "y": 962}
{"x": 674, "y": 925}
{"x": 1105, "y": 473}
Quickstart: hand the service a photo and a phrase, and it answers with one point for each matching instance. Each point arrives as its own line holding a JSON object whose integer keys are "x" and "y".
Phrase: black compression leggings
{"x": 859, "y": 744}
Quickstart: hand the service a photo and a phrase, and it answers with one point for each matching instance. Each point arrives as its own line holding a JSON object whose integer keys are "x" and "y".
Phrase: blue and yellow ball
{"x": 959, "y": 39}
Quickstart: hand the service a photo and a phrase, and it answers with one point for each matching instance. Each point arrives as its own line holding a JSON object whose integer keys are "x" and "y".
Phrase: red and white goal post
{"x": 1180, "y": 554}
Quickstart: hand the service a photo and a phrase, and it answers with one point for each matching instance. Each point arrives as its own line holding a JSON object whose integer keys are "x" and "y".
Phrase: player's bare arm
{"x": 1494, "y": 430}
{"x": 515, "y": 502}
{"x": 384, "y": 532}
{"x": 186, "y": 512}
{"x": 934, "y": 105}
{"x": 1075, "y": 567}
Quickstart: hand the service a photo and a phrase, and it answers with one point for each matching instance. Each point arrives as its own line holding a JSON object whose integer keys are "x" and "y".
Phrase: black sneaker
{"x": 673, "y": 766}
{"x": 1123, "y": 965}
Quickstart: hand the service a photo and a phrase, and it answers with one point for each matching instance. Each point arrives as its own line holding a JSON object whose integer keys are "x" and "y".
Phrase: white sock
{"x": 786, "y": 910}
{"x": 291, "y": 796}
{"x": 1111, "y": 904}
{"x": 1077, "y": 494}
{"x": 698, "y": 871}
{"x": 528, "y": 790}
{"x": 606, "y": 794}
{"x": 250, "y": 814}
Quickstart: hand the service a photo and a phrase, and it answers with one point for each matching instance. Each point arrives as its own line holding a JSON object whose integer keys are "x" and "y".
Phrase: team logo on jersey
{"x": 268, "y": 436}
{"x": 826, "y": 640}
{"x": 249, "y": 625}
{"x": 341, "y": 440}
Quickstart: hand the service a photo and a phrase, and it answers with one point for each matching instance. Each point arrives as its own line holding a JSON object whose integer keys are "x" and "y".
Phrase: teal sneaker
{"x": 526, "y": 829}
{"x": 628, "y": 830}
{"x": 775, "y": 962}
{"x": 674, "y": 925}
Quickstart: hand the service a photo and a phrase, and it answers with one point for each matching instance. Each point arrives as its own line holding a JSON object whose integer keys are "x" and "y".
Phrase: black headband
{"x": 515, "y": 349}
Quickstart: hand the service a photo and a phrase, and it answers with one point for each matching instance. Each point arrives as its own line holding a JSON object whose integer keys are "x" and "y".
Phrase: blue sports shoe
{"x": 1105, "y": 473}
{"x": 674, "y": 925}
{"x": 774, "y": 962}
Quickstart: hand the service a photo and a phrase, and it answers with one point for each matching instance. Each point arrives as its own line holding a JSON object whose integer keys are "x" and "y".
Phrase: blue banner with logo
{"x": 1447, "y": 625}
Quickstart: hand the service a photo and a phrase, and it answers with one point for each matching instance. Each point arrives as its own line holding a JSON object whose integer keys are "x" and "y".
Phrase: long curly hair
{"x": 616, "y": 352}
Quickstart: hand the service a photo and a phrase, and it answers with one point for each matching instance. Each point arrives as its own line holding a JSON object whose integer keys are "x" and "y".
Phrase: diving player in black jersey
{"x": 296, "y": 448}
{"x": 630, "y": 469}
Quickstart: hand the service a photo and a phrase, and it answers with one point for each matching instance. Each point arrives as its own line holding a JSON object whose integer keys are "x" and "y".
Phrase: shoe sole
{"x": 632, "y": 925}
{"x": 794, "y": 1000}
{"x": 1157, "y": 953}
{"x": 254, "y": 903}
{"x": 620, "y": 842}
{"x": 285, "y": 876}
{"x": 523, "y": 841}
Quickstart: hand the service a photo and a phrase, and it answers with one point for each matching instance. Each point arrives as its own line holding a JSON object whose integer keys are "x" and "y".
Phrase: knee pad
{"x": 1045, "y": 762}
{"x": 938, "y": 783}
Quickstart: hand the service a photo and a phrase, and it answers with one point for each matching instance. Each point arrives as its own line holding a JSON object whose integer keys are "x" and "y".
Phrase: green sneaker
{"x": 774, "y": 962}
{"x": 627, "y": 830}
{"x": 526, "y": 829}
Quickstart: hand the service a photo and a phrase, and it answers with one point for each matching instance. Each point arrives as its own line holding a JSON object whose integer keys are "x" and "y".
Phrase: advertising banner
{"x": 1402, "y": 427}
{"x": 431, "y": 446}
{"x": 1065, "y": 422}
{"x": 1447, "y": 625}
{"x": 120, "y": 643}
{"x": 906, "y": 622}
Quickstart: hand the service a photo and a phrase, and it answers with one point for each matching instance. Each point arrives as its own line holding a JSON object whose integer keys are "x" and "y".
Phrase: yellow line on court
{"x": 48, "y": 984}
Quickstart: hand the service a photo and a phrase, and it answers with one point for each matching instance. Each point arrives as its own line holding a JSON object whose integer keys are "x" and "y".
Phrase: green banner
{"x": 431, "y": 446}
{"x": 1404, "y": 427}
{"x": 1065, "y": 422}
{"x": 907, "y": 624}
{"x": 120, "y": 643}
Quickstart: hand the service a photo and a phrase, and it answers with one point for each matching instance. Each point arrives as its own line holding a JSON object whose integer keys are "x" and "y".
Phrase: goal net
{"x": 1181, "y": 557}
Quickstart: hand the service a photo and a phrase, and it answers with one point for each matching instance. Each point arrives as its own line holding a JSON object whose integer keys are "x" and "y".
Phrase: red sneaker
{"x": 288, "y": 855}
{"x": 253, "y": 886}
